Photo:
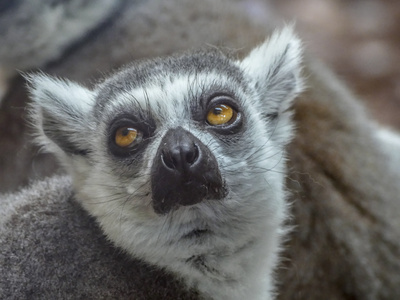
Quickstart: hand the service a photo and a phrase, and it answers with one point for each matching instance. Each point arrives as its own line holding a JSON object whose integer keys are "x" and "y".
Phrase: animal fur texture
{"x": 342, "y": 176}
{"x": 225, "y": 246}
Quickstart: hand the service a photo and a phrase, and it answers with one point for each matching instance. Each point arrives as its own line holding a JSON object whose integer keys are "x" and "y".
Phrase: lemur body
{"x": 330, "y": 184}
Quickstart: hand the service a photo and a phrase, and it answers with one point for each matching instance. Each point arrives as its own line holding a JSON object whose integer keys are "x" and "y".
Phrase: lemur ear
{"x": 60, "y": 111}
{"x": 275, "y": 67}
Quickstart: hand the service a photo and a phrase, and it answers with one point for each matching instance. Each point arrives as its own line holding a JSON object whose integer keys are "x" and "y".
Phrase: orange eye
{"x": 125, "y": 136}
{"x": 220, "y": 114}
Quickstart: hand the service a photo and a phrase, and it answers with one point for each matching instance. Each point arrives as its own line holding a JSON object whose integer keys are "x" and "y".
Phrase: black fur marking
{"x": 145, "y": 126}
{"x": 199, "y": 263}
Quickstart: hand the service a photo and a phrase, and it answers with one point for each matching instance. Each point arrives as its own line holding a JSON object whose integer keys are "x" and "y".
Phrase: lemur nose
{"x": 184, "y": 172}
{"x": 181, "y": 156}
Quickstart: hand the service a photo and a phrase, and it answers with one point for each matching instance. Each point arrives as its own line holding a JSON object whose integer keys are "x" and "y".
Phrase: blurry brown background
{"x": 360, "y": 40}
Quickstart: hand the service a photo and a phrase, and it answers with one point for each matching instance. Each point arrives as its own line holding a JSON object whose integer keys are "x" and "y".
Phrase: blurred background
{"x": 360, "y": 40}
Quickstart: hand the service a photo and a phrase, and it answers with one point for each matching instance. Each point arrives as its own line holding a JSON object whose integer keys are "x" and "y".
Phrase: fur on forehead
{"x": 161, "y": 71}
{"x": 175, "y": 98}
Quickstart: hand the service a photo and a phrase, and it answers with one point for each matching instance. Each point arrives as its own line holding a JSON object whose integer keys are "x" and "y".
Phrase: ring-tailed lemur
{"x": 181, "y": 160}
{"x": 342, "y": 174}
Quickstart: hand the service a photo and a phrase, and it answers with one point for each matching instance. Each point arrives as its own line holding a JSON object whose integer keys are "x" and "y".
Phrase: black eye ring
{"x": 223, "y": 114}
{"x": 127, "y": 125}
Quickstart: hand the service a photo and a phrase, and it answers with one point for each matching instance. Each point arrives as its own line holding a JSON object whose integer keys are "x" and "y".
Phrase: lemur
{"x": 183, "y": 171}
{"x": 181, "y": 160}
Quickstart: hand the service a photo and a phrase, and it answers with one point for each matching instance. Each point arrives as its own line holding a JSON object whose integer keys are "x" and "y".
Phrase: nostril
{"x": 180, "y": 157}
{"x": 192, "y": 155}
{"x": 168, "y": 160}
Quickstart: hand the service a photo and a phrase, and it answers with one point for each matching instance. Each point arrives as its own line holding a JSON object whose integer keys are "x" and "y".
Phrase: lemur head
{"x": 179, "y": 156}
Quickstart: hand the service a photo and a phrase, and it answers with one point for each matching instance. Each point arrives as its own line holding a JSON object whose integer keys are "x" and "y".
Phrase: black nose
{"x": 184, "y": 172}
{"x": 180, "y": 156}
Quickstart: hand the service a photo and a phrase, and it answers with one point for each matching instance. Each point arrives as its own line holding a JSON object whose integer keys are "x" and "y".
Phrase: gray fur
{"x": 160, "y": 70}
{"x": 57, "y": 224}
{"x": 343, "y": 173}
{"x": 345, "y": 197}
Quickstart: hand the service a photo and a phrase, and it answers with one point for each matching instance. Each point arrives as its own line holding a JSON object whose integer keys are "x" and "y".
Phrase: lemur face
{"x": 181, "y": 128}
{"x": 182, "y": 155}
{"x": 188, "y": 131}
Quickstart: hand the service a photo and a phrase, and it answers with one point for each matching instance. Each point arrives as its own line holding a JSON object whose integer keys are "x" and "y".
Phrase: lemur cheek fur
{"x": 184, "y": 172}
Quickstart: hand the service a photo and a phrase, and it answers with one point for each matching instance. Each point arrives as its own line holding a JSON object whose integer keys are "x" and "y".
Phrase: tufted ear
{"x": 60, "y": 112}
{"x": 274, "y": 68}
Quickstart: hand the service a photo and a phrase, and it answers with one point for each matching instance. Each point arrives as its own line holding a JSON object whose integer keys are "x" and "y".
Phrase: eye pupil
{"x": 125, "y": 131}
{"x": 217, "y": 110}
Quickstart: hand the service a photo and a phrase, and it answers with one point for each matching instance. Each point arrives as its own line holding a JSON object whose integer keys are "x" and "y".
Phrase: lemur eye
{"x": 126, "y": 136}
{"x": 221, "y": 114}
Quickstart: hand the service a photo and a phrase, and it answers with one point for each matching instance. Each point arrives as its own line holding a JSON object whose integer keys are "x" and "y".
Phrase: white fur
{"x": 390, "y": 143}
{"x": 47, "y": 90}
{"x": 281, "y": 54}
{"x": 241, "y": 253}
{"x": 51, "y": 95}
